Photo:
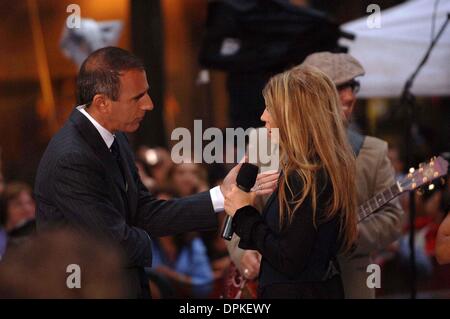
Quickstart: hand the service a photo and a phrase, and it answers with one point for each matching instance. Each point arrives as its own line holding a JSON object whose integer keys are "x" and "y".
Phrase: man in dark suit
{"x": 87, "y": 177}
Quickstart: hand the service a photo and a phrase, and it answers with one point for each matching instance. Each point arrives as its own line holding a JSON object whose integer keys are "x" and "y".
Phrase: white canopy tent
{"x": 390, "y": 54}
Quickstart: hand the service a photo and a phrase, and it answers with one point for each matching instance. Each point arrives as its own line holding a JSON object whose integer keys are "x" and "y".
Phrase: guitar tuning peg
{"x": 411, "y": 170}
{"x": 420, "y": 191}
{"x": 430, "y": 187}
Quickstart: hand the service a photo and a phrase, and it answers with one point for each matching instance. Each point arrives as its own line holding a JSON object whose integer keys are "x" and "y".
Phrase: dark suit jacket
{"x": 79, "y": 183}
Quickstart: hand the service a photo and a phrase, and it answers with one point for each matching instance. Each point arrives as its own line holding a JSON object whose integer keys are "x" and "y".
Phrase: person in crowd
{"x": 154, "y": 166}
{"x": 443, "y": 234}
{"x": 183, "y": 260}
{"x": 430, "y": 215}
{"x": 17, "y": 215}
{"x": 432, "y": 206}
{"x": 181, "y": 267}
{"x": 188, "y": 178}
{"x": 443, "y": 241}
{"x": 19, "y": 206}
{"x": 311, "y": 216}
{"x": 63, "y": 263}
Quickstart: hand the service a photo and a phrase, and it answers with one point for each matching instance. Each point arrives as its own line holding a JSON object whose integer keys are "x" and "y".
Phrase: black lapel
{"x": 96, "y": 142}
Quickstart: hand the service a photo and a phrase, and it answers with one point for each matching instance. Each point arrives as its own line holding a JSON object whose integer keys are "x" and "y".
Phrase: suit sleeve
{"x": 81, "y": 194}
{"x": 171, "y": 217}
{"x": 384, "y": 226}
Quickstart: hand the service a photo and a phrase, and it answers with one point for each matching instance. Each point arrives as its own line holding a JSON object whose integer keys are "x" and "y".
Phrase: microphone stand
{"x": 408, "y": 104}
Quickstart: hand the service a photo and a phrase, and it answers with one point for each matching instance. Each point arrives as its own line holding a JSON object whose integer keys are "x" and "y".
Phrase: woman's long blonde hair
{"x": 305, "y": 106}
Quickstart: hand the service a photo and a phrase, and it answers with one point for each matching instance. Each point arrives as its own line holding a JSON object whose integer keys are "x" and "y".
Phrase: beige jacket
{"x": 374, "y": 173}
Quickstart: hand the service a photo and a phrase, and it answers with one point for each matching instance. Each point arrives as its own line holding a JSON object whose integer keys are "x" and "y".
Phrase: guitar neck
{"x": 380, "y": 199}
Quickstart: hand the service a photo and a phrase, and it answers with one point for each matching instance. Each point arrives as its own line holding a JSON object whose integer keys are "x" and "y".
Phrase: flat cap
{"x": 340, "y": 67}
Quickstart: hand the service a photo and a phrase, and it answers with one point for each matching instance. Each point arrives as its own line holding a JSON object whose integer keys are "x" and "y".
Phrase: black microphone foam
{"x": 245, "y": 180}
{"x": 246, "y": 177}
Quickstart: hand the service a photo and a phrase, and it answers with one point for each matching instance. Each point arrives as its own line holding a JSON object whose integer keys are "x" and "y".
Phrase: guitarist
{"x": 374, "y": 173}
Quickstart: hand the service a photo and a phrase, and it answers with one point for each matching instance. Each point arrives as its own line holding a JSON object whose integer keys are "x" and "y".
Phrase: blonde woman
{"x": 311, "y": 216}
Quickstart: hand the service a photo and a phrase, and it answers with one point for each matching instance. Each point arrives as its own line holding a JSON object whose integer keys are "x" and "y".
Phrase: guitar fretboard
{"x": 378, "y": 201}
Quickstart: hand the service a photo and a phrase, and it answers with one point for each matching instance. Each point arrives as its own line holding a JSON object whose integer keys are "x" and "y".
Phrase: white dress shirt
{"x": 107, "y": 136}
{"x": 217, "y": 198}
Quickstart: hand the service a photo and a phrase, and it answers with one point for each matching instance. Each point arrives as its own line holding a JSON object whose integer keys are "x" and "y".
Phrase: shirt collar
{"x": 106, "y": 135}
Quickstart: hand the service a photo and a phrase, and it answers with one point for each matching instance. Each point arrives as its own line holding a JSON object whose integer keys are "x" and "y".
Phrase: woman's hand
{"x": 266, "y": 183}
{"x": 250, "y": 264}
{"x": 237, "y": 198}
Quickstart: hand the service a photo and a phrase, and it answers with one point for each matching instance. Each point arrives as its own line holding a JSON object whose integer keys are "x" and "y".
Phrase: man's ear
{"x": 102, "y": 103}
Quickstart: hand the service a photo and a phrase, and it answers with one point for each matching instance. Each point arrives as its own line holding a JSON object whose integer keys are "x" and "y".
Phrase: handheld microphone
{"x": 245, "y": 180}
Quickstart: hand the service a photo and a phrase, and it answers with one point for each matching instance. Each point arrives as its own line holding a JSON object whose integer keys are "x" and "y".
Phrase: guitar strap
{"x": 356, "y": 141}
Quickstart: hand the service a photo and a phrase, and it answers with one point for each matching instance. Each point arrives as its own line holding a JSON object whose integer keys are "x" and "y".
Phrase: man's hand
{"x": 250, "y": 263}
{"x": 230, "y": 179}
